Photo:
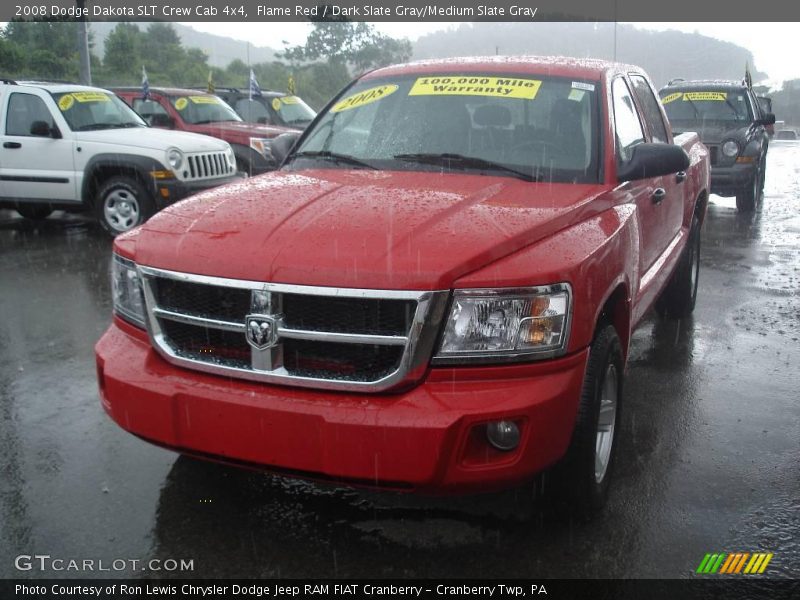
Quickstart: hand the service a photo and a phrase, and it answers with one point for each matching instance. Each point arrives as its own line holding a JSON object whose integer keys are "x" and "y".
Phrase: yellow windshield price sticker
{"x": 671, "y": 97}
{"x": 366, "y": 97}
{"x": 181, "y": 103}
{"x": 700, "y": 96}
{"x": 204, "y": 99}
{"x": 91, "y": 97}
{"x": 65, "y": 102}
{"x": 276, "y": 104}
{"x": 460, "y": 85}
{"x": 289, "y": 99}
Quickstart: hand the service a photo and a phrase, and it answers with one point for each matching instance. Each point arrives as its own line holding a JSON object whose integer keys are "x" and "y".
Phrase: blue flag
{"x": 254, "y": 89}
{"x": 145, "y": 85}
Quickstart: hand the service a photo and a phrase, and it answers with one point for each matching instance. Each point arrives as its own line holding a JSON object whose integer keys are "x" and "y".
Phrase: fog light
{"x": 503, "y": 435}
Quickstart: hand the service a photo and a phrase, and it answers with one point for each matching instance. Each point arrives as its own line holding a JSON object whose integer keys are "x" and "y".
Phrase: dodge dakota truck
{"x": 435, "y": 292}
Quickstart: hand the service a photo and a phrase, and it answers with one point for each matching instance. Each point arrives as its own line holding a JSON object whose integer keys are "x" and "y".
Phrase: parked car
{"x": 81, "y": 148}
{"x": 200, "y": 112}
{"x": 270, "y": 108}
{"x": 786, "y": 135}
{"x": 729, "y": 120}
{"x": 435, "y": 292}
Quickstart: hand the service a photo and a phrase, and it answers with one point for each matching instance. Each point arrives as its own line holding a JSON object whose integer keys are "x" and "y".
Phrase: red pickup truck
{"x": 436, "y": 291}
{"x": 201, "y": 112}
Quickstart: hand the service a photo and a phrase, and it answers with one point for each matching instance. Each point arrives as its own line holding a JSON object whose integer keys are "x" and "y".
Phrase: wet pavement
{"x": 709, "y": 459}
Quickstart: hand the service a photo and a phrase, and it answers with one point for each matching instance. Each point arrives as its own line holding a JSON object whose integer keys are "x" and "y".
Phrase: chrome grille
{"x": 332, "y": 338}
{"x": 208, "y": 166}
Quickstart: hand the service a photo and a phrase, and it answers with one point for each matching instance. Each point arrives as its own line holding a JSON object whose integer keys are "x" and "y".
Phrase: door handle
{"x": 680, "y": 176}
{"x": 658, "y": 195}
{"x": 12, "y": 145}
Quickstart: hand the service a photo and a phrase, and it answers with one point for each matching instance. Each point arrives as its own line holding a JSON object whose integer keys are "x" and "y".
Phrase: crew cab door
{"x": 648, "y": 194}
{"x": 674, "y": 203}
{"x": 35, "y": 165}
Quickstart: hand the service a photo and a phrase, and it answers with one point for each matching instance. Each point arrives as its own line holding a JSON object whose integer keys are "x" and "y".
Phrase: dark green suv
{"x": 730, "y": 121}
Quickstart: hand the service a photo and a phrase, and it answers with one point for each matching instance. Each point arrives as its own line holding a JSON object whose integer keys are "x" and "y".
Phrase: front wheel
{"x": 581, "y": 479}
{"x": 122, "y": 204}
{"x": 747, "y": 197}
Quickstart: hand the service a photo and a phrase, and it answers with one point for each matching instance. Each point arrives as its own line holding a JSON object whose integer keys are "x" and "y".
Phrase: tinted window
{"x": 627, "y": 126}
{"x": 650, "y": 107}
{"x": 23, "y": 111}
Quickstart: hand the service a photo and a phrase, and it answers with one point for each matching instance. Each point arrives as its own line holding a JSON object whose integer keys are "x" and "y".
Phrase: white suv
{"x": 73, "y": 147}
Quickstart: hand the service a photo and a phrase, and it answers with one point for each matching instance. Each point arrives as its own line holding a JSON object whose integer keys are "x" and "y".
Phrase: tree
{"x": 42, "y": 49}
{"x": 122, "y": 61}
{"x": 348, "y": 43}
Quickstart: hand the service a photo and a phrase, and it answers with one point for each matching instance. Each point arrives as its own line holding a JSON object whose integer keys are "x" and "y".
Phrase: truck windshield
{"x": 201, "y": 109}
{"x": 527, "y": 126}
{"x": 696, "y": 106}
{"x": 86, "y": 111}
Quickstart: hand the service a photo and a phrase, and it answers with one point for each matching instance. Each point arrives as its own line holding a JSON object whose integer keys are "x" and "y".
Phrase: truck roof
{"x": 580, "y": 68}
{"x": 706, "y": 83}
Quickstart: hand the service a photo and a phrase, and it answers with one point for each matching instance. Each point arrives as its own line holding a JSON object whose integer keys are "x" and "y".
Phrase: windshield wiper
{"x": 94, "y": 126}
{"x": 465, "y": 162}
{"x": 332, "y": 156}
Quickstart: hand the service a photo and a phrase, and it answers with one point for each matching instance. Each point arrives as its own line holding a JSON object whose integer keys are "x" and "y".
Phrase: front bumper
{"x": 729, "y": 180}
{"x": 169, "y": 191}
{"x": 429, "y": 438}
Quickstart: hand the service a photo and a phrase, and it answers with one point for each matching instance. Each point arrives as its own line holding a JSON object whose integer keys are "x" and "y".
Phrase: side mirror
{"x": 161, "y": 120}
{"x": 653, "y": 160}
{"x": 769, "y": 119}
{"x": 43, "y": 129}
{"x": 282, "y": 145}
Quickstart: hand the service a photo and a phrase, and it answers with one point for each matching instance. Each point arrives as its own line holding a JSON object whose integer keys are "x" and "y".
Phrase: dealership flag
{"x": 211, "y": 87}
{"x": 254, "y": 89}
{"x": 145, "y": 85}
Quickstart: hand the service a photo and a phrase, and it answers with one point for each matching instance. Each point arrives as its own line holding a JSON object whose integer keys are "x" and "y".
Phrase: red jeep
{"x": 436, "y": 291}
{"x": 201, "y": 112}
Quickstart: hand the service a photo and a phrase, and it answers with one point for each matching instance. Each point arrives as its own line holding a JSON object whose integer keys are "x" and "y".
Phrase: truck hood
{"x": 357, "y": 228}
{"x": 240, "y": 129}
{"x": 153, "y": 139}
{"x": 712, "y": 132}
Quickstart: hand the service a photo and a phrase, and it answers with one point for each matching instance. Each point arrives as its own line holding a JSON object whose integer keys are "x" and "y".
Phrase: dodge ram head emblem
{"x": 262, "y": 331}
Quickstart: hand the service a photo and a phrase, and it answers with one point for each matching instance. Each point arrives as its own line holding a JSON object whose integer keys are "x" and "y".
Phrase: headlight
{"x": 126, "y": 291}
{"x": 261, "y": 145}
{"x": 231, "y": 157}
{"x": 730, "y": 148}
{"x": 506, "y": 324}
{"x": 175, "y": 158}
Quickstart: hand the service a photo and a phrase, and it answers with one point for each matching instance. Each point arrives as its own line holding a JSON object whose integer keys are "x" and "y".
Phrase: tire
{"x": 122, "y": 203}
{"x": 680, "y": 296}
{"x": 580, "y": 482}
{"x": 747, "y": 197}
{"x": 33, "y": 212}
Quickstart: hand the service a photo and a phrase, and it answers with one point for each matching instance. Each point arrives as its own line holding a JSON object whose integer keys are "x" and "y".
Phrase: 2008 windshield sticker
{"x": 457, "y": 85}
{"x": 366, "y": 97}
{"x": 67, "y": 101}
{"x": 696, "y": 97}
